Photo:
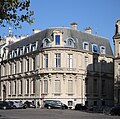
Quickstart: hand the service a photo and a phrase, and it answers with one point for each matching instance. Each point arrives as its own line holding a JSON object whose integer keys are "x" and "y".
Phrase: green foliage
{"x": 13, "y": 12}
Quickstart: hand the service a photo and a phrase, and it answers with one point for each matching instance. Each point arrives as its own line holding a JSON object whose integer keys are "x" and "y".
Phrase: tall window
{"x": 70, "y": 61}
{"x": 34, "y": 63}
{"x": 70, "y": 86}
{"x": 57, "y": 60}
{"x": 10, "y": 88}
{"x": 21, "y": 66}
{"x": 45, "y": 60}
{"x": 45, "y": 87}
{"x": 57, "y": 86}
{"x": 57, "y": 39}
{"x": 86, "y": 62}
{"x": 33, "y": 86}
{"x": 14, "y": 87}
{"x": 27, "y": 86}
{"x": 27, "y": 64}
{"x": 20, "y": 87}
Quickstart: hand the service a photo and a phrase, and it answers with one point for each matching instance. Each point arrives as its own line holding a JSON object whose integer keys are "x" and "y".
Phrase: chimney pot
{"x": 74, "y": 25}
{"x": 88, "y": 30}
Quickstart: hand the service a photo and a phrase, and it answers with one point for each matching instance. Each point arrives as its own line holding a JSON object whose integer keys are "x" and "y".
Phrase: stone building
{"x": 116, "y": 39}
{"x": 61, "y": 64}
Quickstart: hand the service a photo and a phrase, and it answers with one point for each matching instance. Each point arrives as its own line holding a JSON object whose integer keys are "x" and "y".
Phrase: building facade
{"x": 59, "y": 63}
{"x": 116, "y": 39}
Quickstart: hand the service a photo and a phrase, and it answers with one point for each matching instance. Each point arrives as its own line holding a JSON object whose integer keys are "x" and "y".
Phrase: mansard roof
{"x": 78, "y": 36}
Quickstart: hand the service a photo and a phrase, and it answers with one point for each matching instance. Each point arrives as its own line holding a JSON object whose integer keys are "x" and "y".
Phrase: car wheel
{"x": 4, "y": 107}
{"x": 49, "y": 107}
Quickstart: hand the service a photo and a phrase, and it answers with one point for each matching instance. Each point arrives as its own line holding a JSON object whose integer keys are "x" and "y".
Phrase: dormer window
{"x": 86, "y": 46}
{"x": 70, "y": 42}
{"x": 57, "y": 39}
{"x": 46, "y": 42}
{"x": 102, "y": 50}
{"x": 95, "y": 48}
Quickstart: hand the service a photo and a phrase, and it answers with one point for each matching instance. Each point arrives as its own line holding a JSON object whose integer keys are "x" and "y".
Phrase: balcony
{"x": 58, "y": 70}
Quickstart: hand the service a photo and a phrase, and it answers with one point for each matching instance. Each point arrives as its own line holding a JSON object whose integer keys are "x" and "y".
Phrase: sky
{"x": 100, "y": 15}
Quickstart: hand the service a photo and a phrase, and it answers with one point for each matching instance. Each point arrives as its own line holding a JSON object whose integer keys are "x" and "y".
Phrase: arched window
{"x": 46, "y": 42}
{"x": 70, "y": 42}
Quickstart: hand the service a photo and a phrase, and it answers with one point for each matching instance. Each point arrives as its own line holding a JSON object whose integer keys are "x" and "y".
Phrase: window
{"x": 27, "y": 64}
{"x": 86, "y": 62}
{"x": 34, "y": 63}
{"x": 46, "y": 42}
{"x": 20, "y": 87}
{"x": 45, "y": 60}
{"x": 57, "y": 60}
{"x": 69, "y": 61}
{"x": 102, "y": 50}
{"x": 21, "y": 66}
{"x": 27, "y": 86}
{"x": 70, "y": 42}
{"x": 14, "y": 87}
{"x": 33, "y": 86}
{"x": 94, "y": 48}
{"x": 34, "y": 46}
{"x": 45, "y": 87}
{"x": 57, "y": 39}
{"x": 27, "y": 49}
{"x": 70, "y": 86}
{"x": 70, "y": 103}
{"x": 57, "y": 86}
{"x": 86, "y": 46}
{"x": 10, "y": 88}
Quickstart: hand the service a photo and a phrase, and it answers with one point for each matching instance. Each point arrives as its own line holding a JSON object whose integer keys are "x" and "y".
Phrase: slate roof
{"x": 77, "y": 35}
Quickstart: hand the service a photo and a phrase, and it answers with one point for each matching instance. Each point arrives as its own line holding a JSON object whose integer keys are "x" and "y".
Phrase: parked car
{"x": 115, "y": 110}
{"x": 5, "y": 105}
{"x": 17, "y": 105}
{"x": 29, "y": 104}
{"x": 80, "y": 107}
{"x": 54, "y": 104}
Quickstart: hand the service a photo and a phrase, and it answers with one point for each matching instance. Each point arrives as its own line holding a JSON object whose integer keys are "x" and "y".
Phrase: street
{"x": 51, "y": 114}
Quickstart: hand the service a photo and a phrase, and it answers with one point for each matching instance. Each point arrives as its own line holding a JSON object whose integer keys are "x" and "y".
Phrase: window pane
{"x": 57, "y": 60}
{"x": 70, "y": 61}
{"x": 57, "y": 39}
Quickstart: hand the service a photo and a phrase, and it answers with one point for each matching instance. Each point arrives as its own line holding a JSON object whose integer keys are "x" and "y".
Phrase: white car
{"x": 17, "y": 104}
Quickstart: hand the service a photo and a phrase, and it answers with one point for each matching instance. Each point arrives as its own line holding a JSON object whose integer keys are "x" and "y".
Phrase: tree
{"x": 14, "y": 12}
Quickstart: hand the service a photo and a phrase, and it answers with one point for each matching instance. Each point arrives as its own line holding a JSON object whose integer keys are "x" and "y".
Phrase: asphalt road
{"x": 51, "y": 114}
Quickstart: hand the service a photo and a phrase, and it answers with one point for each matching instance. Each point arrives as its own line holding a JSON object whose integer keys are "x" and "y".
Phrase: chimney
{"x": 88, "y": 30}
{"x": 74, "y": 25}
{"x": 117, "y": 32}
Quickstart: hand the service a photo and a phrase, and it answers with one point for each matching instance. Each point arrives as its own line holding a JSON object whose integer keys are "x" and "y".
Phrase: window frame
{"x": 102, "y": 51}
{"x": 95, "y": 45}
{"x": 84, "y": 45}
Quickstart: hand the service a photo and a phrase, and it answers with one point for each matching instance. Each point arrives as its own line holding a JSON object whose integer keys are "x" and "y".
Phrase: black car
{"x": 54, "y": 104}
{"x": 115, "y": 110}
{"x": 29, "y": 104}
{"x": 80, "y": 107}
{"x": 5, "y": 105}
